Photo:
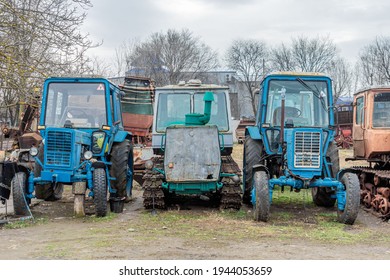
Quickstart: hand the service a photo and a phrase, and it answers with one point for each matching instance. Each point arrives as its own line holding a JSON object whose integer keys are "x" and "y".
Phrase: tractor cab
{"x": 302, "y": 103}
{"x": 76, "y": 105}
{"x": 176, "y": 103}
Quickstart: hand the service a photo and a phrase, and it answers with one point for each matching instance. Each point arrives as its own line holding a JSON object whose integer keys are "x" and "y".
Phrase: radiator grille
{"x": 58, "y": 148}
{"x": 307, "y": 152}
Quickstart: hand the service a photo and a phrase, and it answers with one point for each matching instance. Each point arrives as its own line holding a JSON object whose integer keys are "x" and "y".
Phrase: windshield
{"x": 172, "y": 108}
{"x": 81, "y": 105}
{"x": 306, "y": 103}
{"x": 137, "y": 101}
{"x": 381, "y": 113}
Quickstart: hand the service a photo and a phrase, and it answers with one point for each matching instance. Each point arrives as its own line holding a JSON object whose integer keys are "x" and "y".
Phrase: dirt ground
{"x": 297, "y": 230}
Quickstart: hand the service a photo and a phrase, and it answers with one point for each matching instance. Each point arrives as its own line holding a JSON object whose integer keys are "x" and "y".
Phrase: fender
{"x": 121, "y": 135}
{"x": 259, "y": 167}
{"x": 253, "y": 132}
{"x": 98, "y": 164}
{"x": 343, "y": 171}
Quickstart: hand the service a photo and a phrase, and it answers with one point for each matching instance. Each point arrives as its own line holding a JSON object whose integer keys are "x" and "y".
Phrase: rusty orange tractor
{"x": 371, "y": 143}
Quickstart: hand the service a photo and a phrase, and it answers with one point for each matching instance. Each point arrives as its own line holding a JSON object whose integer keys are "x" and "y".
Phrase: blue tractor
{"x": 292, "y": 145}
{"x": 83, "y": 145}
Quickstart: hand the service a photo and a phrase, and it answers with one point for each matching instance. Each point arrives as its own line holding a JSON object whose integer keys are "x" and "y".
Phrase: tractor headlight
{"x": 88, "y": 155}
{"x": 33, "y": 151}
{"x": 98, "y": 139}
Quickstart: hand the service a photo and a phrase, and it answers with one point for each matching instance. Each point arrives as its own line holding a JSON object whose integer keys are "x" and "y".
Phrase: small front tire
{"x": 261, "y": 207}
{"x": 352, "y": 199}
{"x": 100, "y": 192}
{"x": 19, "y": 189}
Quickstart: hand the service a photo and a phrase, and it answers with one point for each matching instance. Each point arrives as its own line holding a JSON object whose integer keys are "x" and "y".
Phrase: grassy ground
{"x": 297, "y": 229}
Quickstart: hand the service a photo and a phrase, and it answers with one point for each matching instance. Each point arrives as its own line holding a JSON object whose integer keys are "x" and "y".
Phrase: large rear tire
{"x": 261, "y": 207}
{"x": 323, "y": 196}
{"x": 19, "y": 190}
{"x": 37, "y": 166}
{"x": 122, "y": 163}
{"x": 46, "y": 191}
{"x": 352, "y": 203}
{"x": 252, "y": 156}
{"x": 100, "y": 191}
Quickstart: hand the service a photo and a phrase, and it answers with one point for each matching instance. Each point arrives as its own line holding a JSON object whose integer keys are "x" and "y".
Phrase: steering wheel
{"x": 76, "y": 113}
{"x": 293, "y": 112}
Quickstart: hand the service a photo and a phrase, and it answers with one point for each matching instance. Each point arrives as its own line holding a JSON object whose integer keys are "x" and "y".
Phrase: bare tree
{"x": 123, "y": 56}
{"x": 374, "y": 62}
{"x": 282, "y": 59}
{"x": 169, "y": 57}
{"x": 39, "y": 38}
{"x": 305, "y": 54}
{"x": 248, "y": 58}
{"x": 342, "y": 76}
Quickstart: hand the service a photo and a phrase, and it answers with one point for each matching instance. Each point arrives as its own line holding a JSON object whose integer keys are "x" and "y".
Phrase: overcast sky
{"x": 351, "y": 24}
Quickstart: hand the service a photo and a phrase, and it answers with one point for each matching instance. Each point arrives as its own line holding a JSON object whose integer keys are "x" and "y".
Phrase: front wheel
{"x": 352, "y": 199}
{"x": 100, "y": 192}
{"x": 261, "y": 204}
{"x": 19, "y": 187}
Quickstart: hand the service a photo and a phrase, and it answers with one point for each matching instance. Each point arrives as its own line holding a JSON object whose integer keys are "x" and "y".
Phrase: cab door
{"x": 359, "y": 125}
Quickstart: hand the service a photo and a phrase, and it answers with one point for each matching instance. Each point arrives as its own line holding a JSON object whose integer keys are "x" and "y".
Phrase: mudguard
{"x": 120, "y": 136}
{"x": 253, "y": 132}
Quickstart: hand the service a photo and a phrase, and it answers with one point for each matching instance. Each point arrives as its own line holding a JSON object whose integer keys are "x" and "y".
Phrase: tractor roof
{"x": 191, "y": 85}
{"x": 374, "y": 88}
{"x": 293, "y": 73}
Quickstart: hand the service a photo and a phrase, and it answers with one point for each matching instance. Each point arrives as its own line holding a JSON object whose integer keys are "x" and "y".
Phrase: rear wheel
{"x": 352, "y": 199}
{"x": 122, "y": 168}
{"x": 100, "y": 191}
{"x": 49, "y": 192}
{"x": 261, "y": 207}
{"x": 323, "y": 196}
{"x": 37, "y": 166}
{"x": 19, "y": 190}
{"x": 252, "y": 155}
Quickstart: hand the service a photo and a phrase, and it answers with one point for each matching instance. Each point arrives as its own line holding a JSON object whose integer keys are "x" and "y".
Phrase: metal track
{"x": 385, "y": 174}
{"x": 231, "y": 191}
{"x": 375, "y": 190}
{"x": 154, "y": 197}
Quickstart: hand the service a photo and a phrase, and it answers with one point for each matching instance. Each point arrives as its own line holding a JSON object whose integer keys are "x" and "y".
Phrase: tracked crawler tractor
{"x": 371, "y": 143}
{"x": 193, "y": 141}
{"x": 292, "y": 146}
